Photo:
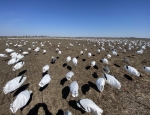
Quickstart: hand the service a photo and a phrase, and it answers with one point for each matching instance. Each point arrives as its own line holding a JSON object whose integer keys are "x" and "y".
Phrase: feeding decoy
{"x": 45, "y": 80}
{"x": 89, "y": 106}
{"x": 112, "y": 81}
{"x": 132, "y": 70}
{"x": 20, "y": 101}
{"x": 14, "y": 84}
{"x": 18, "y": 65}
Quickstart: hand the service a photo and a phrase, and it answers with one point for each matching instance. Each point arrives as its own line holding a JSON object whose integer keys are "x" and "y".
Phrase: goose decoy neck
{"x": 127, "y": 67}
{"x": 21, "y": 78}
{"x": 105, "y": 76}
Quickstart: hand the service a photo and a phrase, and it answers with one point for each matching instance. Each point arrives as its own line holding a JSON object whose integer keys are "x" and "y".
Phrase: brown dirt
{"x": 132, "y": 99}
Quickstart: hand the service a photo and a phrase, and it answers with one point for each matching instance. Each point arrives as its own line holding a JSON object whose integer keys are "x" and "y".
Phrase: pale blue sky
{"x": 84, "y": 18}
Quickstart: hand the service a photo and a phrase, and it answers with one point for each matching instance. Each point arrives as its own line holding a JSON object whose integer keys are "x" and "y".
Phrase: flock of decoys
{"x": 85, "y": 104}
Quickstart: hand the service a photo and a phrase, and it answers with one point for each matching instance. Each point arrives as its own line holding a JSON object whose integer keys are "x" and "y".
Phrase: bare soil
{"x": 55, "y": 99}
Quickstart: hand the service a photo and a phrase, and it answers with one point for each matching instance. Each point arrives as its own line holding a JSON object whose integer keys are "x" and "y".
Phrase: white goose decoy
{"x": 89, "y": 106}
{"x": 75, "y": 61}
{"x": 18, "y": 65}
{"x": 81, "y": 52}
{"x": 44, "y": 51}
{"x": 57, "y": 49}
{"x": 111, "y": 80}
{"x": 45, "y": 80}
{"x": 114, "y": 53}
{"x": 69, "y": 75}
{"x": 100, "y": 83}
{"x": 29, "y": 49}
{"x": 132, "y": 70}
{"x": 20, "y": 101}
{"x": 9, "y": 50}
{"x": 14, "y": 84}
{"x": 146, "y": 69}
{"x": 89, "y": 55}
{"x": 59, "y": 52}
{"x": 25, "y": 53}
{"x": 19, "y": 56}
{"x": 3, "y": 55}
{"x": 124, "y": 51}
{"x": 13, "y": 61}
{"x": 68, "y": 59}
{"x": 98, "y": 50}
{"x": 13, "y": 55}
{"x": 45, "y": 68}
{"x": 105, "y": 61}
{"x": 53, "y": 59}
{"x": 108, "y": 56}
{"x": 74, "y": 87}
{"x": 68, "y": 113}
{"x": 37, "y": 49}
{"x": 93, "y": 63}
{"x": 140, "y": 51}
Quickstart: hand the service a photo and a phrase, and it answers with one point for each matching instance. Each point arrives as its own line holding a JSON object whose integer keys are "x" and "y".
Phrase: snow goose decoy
{"x": 68, "y": 113}
{"x": 20, "y": 101}
{"x": 3, "y": 55}
{"x": 132, "y": 70}
{"x": 98, "y": 50}
{"x": 45, "y": 68}
{"x": 114, "y": 53}
{"x": 89, "y": 55}
{"x": 69, "y": 75}
{"x": 74, "y": 89}
{"x": 75, "y": 61}
{"x": 9, "y": 50}
{"x": 89, "y": 106}
{"x": 59, "y": 52}
{"x": 25, "y": 53}
{"x": 44, "y": 51}
{"x": 105, "y": 61}
{"x": 146, "y": 69}
{"x": 14, "y": 84}
{"x": 45, "y": 80}
{"x": 112, "y": 81}
{"x": 19, "y": 56}
{"x": 81, "y": 52}
{"x": 18, "y": 65}
{"x": 108, "y": 56}
{"x": 100, "y": 83}
{"x": 68, "y": 59}
{"x": 93, "y": 63}
{"x": 140, "y": 51}
{"x": 13, "y": 61}
{"x": 53, "y": 60}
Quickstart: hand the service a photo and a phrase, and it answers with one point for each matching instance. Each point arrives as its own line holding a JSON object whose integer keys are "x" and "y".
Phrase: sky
{"x": 75, "y": 18}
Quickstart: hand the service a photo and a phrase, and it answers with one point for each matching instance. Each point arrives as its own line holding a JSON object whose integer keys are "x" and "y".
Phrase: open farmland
{"x": 55, "y": 99}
